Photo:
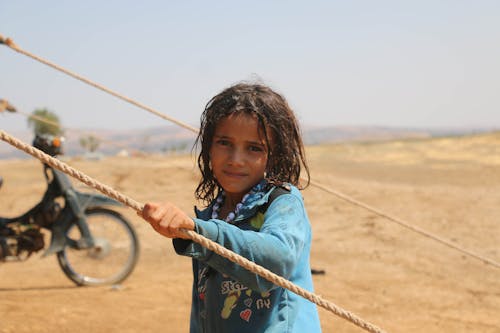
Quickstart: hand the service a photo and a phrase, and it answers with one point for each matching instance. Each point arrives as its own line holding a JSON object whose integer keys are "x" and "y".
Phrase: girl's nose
{"x": 237, "y": 157}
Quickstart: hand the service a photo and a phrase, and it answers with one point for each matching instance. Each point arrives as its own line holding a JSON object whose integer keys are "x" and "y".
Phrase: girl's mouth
{"x": 234, "y": 174}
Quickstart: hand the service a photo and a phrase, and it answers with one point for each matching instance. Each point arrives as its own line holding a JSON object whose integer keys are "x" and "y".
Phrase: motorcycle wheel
{"x": 113, "y": 256}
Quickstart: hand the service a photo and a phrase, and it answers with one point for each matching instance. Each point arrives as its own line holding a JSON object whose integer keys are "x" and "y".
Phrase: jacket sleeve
{"x": 278, "y": 245}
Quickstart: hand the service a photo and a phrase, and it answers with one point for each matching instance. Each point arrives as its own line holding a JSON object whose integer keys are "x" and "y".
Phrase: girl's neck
{"x": 226, "y": 208}
{"x": 227, "y": 205}
{"x": 231, "y": 200}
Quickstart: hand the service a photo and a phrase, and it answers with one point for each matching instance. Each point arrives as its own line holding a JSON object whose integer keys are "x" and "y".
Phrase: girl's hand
{"x": 167, "y": 219}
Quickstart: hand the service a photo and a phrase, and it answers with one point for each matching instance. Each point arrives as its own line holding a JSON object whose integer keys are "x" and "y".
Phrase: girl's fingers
{"x": 181, "y": 221}
{"x": 153, "y": 212}
{"x": 148, "y": 210}
{"x": 167, "y": 219}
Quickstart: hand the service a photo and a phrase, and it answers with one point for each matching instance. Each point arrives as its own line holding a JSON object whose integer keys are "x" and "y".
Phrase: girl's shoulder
{"x": 274, "y": 192}
{"x": 287, "y": 194}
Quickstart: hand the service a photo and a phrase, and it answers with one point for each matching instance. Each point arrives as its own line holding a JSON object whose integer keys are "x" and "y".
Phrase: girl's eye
{"x": 223, "y": 142}
{"x": 256, "y": 148}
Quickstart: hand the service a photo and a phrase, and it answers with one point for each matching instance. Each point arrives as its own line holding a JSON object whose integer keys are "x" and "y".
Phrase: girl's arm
{"x": 278, "y": 245}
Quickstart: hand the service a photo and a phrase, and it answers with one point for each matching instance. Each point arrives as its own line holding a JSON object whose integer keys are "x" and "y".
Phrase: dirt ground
{"x": 385, "y": 273}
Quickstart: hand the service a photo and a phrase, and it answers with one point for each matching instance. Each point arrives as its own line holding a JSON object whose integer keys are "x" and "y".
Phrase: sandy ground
{"x": 388, "y": 275}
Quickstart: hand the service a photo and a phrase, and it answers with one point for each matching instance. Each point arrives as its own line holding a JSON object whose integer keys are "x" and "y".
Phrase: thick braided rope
{"x": 205, "y": 242}
{"x": 8, "y": 42}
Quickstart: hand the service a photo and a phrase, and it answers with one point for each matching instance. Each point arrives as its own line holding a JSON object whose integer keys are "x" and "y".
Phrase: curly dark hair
{"x": 286, "y": 154}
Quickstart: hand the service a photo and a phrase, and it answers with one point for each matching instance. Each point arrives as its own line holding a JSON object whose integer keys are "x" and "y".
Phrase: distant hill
{"x": 176, "y": 139}
{"x": 333, "y": 134}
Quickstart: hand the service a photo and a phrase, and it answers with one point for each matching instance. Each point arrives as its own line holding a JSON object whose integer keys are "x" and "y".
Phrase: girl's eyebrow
{"x": 222, "y": 136}
{"x": 258, "y": 143}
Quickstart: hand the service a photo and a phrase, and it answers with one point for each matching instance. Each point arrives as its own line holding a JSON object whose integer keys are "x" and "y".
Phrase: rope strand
{"x": 408, "y": 226}
{"x": 8, "y": 42}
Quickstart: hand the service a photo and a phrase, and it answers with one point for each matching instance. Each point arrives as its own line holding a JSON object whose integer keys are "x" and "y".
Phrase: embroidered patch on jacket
{"x": 246, "y": 314}
{"x": 257, "y": 221}
{"x": 229, "y": 304}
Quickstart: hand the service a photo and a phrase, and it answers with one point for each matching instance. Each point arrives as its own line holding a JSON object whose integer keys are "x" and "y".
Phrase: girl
{"x": 250, "y": 161}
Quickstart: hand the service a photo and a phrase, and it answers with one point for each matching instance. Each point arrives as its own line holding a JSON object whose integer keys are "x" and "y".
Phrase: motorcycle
{"x": 95, "y": 245}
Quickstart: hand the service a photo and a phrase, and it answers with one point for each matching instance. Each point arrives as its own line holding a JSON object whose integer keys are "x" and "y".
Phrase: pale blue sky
{"x": 387, "y": 63}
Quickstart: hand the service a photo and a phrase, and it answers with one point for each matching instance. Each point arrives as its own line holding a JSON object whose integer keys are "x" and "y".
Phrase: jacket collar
{"x": 248, "y": 210}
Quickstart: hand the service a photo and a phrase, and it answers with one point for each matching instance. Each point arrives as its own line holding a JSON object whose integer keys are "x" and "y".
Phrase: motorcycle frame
{"x": 73, "y": 213}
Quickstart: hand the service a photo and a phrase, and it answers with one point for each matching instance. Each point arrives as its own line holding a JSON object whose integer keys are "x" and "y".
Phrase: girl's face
{"x": 238, "y": 154}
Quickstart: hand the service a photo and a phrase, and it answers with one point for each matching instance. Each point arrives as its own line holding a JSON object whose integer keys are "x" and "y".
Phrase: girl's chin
{"x": 234, "y": 190}
{"x": 237, "y": 189}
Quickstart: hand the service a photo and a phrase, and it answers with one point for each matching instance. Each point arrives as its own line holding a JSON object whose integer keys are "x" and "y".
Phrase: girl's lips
{"x": 234, "y": 174}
